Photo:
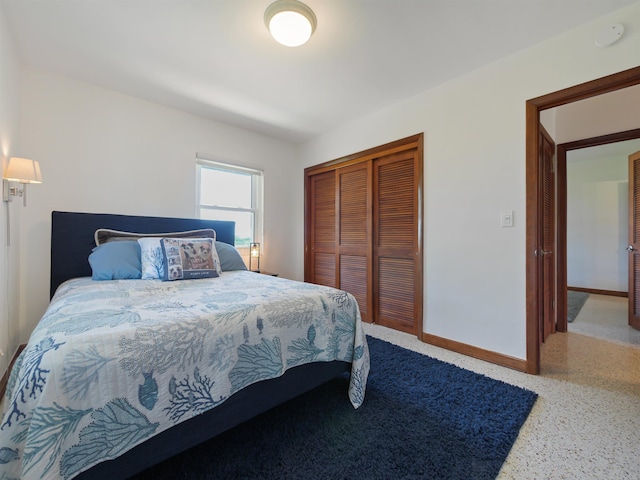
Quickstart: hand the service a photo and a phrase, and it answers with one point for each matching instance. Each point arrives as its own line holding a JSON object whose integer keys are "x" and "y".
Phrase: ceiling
{"x": 618, "y": 149}
{"x": 215, "y": 58}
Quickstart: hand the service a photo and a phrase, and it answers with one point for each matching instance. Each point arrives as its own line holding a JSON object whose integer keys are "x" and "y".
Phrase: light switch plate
{"x": 506, "y": 218}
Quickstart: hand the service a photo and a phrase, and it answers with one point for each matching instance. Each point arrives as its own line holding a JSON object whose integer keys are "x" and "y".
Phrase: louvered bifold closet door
{"x": 363, "y": 231}
{"x": 354, "y": 234}
{"x": 548, "y": 237}
{"x": 394, "y": 250}
{"x": 323, "y": 229}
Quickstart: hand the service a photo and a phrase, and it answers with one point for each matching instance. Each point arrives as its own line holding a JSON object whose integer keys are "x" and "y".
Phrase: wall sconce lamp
{"x": 254, "y": 252}
{"x": 21, "y": 170}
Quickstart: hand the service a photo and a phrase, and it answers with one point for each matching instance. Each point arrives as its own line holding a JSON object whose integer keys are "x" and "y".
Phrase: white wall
{"x": 9, "y": 272}
{"x": 104, "y": 152}
{"x": 597, "y": 216}
{"x": 474, "y": 167}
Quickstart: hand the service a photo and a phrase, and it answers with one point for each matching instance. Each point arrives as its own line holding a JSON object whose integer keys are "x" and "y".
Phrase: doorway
{"x": 563, "y": 258}
{"x": 535, "y": 217}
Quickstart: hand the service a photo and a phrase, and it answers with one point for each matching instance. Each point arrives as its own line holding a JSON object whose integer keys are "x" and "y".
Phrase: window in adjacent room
{"x": 231, "y": 192}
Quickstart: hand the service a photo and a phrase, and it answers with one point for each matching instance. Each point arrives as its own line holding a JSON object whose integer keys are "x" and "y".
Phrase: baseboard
{"x": 476, "y": 352}
{"x": 5, "y": 378}
{"x": 595, "y": 291}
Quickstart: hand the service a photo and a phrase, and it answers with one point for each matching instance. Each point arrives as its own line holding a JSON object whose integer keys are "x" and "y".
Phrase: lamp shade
{"x": 23, "y": 170}
{"x": 290, "y": 22}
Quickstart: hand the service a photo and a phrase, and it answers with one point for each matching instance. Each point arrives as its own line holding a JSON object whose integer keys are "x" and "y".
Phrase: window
{"x": 230, "y": 192}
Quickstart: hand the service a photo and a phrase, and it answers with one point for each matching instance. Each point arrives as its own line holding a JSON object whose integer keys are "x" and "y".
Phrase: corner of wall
{"x": 9, "y": 113}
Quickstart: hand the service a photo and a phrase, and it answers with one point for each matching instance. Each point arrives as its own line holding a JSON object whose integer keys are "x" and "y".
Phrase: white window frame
{"x": 257, "y": 187}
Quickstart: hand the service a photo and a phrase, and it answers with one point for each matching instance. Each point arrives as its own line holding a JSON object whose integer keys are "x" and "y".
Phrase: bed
{"x": 123, "y": 373}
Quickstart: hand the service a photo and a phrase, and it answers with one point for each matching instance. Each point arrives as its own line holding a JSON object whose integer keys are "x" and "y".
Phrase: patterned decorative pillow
{"x": 152, "y": 261}
{"x": 190, "y": 258}
{"x": 151, "y": 252}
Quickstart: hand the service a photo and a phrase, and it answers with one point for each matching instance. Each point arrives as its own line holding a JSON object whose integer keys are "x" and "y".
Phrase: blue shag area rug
{"x": 422, "y": 418}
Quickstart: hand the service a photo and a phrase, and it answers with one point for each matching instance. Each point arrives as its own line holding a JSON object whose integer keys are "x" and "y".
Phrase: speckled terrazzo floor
{"x": 586, "y": 422}
{"x": 605, "y": 317}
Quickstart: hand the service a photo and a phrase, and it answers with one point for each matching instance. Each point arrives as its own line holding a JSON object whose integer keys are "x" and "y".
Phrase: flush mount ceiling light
{"x": 290, "y": 22}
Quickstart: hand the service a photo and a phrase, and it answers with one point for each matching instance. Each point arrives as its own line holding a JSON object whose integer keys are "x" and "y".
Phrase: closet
{"x": 363, "y": 231}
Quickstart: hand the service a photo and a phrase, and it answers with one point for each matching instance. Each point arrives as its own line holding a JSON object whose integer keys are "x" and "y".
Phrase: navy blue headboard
{"x": 72, "y": 237}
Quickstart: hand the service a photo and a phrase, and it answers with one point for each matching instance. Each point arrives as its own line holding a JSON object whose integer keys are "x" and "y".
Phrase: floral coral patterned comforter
{"x": 113, "y": 363}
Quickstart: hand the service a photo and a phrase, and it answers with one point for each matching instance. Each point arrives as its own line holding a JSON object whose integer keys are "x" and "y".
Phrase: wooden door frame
{"x": 534, "y": 106}
{"x": 562, "y": 149}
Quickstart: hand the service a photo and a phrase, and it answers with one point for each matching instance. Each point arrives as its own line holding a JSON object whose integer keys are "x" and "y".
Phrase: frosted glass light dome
{"x": 290, "y": 22}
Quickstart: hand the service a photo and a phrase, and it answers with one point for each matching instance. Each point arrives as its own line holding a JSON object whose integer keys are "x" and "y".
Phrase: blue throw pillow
{"x": 230, "y": 258}
{"x": 116, "y": 261}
